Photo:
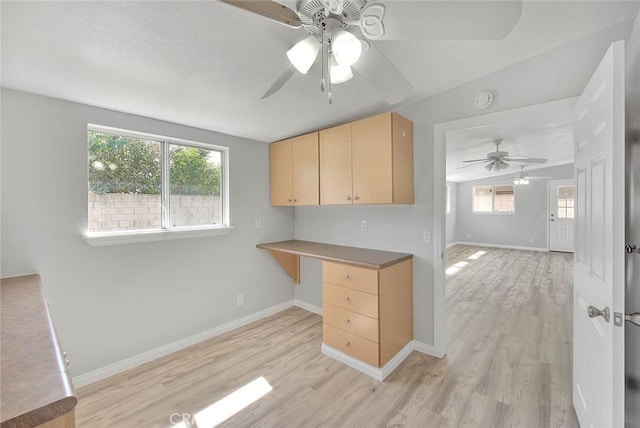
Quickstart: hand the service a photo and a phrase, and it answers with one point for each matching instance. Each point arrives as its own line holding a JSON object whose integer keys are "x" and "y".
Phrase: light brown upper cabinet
{"x": 367, "y": 162}
{"x": 294, "y": 171}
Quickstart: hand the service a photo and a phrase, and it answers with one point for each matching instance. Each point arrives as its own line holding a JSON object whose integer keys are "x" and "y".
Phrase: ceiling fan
{"x": 343, "y": 31}
{"x": 523, "y": 178}
{"x": 497, "y": 161}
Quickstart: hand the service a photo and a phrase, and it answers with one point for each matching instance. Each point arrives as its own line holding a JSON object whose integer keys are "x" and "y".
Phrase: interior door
{"x": 598, "y": 344}
{"x": 561, "y": 214}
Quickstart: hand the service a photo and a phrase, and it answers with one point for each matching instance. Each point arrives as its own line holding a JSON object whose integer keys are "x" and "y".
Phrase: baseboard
{"x": 307, "y": 306}
{"x": 509, "y": 247}
{"x": 426, "y": 348}
{"x": 380, "y": 373}
{"x": 145, "y": 357}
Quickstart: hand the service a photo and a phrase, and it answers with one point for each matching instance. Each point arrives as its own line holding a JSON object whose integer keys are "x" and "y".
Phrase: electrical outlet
{"x": 426, "y": 237}
{"x": 531, "y": 240}
{"x": 257, "y": 223}
{"x": 364, "y": 226}
{"x": 468, "y": 235}
{"x": 240, "y": 300}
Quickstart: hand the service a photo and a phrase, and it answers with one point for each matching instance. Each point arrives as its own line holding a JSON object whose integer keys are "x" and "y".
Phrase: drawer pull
{"x": 346, "y": 276}
{"x": 348, "y": 343}
{"x": 347, "y": 299}
{"x": 348, "y": 321}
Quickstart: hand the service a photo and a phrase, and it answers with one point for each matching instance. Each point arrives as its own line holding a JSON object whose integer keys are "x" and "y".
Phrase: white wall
{"x": 632, "y": 334}
{"x": 528, "y": 222}
{"x": 557, "y": 74}
{"x": 452, "y": 215}
{"x": 110, "y": 303}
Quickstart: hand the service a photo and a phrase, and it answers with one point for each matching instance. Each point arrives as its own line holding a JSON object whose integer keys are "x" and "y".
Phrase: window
{"x": 142, "y": 183}
{"x": 448, "y": 202}
{"x": 565, "y": 201}
{"x": 492, "y": 199}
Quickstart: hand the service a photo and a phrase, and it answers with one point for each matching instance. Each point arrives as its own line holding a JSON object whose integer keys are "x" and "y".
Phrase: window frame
{"x": 165, "y": 232}
{"x": 493, "y": 194}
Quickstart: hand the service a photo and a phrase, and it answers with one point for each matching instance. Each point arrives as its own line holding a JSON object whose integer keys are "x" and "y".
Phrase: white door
{"x": 598, "y": 344}
{"x": 561, "y": 213}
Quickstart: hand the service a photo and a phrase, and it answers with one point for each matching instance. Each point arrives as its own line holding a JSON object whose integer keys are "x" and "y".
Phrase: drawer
{"x": 351, "y": 322}
{"x": 350, "y": 299}
{"x": 357, "y": 347}
{"x": 351, "y": 276}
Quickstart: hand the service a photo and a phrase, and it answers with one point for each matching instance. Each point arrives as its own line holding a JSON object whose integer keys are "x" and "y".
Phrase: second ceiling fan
{"x": 499, "y": 160}
{"x": 342, "y": 32}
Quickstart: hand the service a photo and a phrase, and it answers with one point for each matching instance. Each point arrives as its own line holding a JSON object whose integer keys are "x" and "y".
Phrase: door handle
{"x": 633, "y": 318}
{"x": 595, "y": 312}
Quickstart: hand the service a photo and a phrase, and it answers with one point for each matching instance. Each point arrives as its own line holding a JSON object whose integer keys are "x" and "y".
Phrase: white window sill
{"x": 101, "y": 239}
{"x": 495, "y": 212}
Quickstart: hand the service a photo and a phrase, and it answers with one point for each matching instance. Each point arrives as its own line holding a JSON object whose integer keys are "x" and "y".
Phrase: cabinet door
{"x": 372, "y": 160}
{"x": 280, "y": 155}
{"x": 335, "y": 165}
{"x": 306, "y": 186}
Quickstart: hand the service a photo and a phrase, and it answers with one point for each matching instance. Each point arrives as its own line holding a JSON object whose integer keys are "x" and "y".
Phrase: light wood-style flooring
{"x": 508, "y": 363}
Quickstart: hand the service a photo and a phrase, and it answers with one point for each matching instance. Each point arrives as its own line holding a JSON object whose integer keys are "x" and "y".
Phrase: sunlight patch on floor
{"x": 451, "y": 270}
{"x": 477, "y": 255}
{"x": 228, "y": 406}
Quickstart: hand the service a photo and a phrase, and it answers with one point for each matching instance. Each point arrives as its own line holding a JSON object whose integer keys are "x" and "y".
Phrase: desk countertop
{"x": 364, "y": 257}
{"x": 36, "y": 386}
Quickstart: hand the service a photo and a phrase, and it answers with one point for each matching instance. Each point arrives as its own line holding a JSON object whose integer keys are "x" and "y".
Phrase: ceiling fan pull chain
{"x": 330, "y": 95}
{"x": 322, "y": 59}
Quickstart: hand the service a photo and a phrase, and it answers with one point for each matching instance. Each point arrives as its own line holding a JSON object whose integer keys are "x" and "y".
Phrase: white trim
{"x": 440, "y": 131}
{"x": 427, "y": 349}
{"x": 145, "y": 357}
{"x": 380, "y": 373}
{"x": 509, "y": 247}
{"x": 102, "y": 239}
{"x": 307, "y": 306}
{"x": 451, "y": 244}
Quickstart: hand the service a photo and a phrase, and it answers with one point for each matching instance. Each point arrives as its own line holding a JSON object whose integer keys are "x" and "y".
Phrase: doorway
{"x": 561, "y": 213}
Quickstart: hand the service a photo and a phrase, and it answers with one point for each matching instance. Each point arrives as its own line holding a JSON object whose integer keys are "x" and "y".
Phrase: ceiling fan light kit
{"x": 304, "y": 53}
{"x": 346, "y": 47}
{"x": 339, "y": 73}
{"x": 520, "y": 181}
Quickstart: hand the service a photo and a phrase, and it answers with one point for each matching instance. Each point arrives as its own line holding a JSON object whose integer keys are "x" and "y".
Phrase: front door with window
{"x": 561, "y": 207}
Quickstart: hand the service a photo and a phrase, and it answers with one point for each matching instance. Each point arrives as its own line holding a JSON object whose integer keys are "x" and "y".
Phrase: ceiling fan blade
{"x": 269, "y": 9}
{"x": 280, "y": 81}
{"x": 442, "y": 20}
{"x": 477, "y": 160}
{"x": 381, "y": 74}
{"x": 527, "y": 160}
{"x": 471, "y": 164}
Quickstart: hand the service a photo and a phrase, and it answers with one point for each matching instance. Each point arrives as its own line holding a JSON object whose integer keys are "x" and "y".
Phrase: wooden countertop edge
{"x": 401, "y": 257}
{"x": 42, "y": 414}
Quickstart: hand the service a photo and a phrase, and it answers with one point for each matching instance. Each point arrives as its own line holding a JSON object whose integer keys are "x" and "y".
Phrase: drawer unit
{"x": 350, "y": 299}
{"x": 352, "y": 322}
{"x": 368, "y": 313}
{"x": 351, "y": 344}
{"x": 350, "y": 276}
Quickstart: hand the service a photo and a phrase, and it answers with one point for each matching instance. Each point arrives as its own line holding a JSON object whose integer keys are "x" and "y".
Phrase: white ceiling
{"x": 206, "y": 64}
{"x": 550, "y": 138}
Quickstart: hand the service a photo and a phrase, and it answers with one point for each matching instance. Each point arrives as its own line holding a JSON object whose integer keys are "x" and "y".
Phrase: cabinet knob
{"x": 347, "y": 299}
{"x": 346, "y": 276}
{"x": 295, "y": 200}
{"x": 347, "y": 321}
{"x": 355, "y": 198}
{"x": 290, "y": 200}
{"x": 348, "y": 198}
{"x": 348, "y": 343}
